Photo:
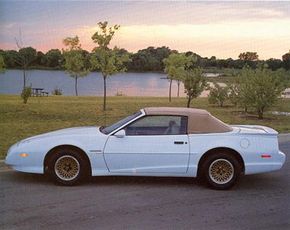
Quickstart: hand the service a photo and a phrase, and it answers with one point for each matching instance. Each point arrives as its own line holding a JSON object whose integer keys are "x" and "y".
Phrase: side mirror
{"x": 120, "y": 134}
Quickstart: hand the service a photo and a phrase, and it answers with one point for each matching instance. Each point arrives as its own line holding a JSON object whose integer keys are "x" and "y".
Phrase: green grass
{"x": 18, "y": 121}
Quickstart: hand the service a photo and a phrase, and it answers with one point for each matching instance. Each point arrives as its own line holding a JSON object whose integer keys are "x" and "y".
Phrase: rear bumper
{"x": 267, "y": 165}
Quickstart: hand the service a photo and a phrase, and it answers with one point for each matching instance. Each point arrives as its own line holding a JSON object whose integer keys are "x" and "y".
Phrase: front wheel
{"x": 221, "y": 170}
{"x": 67, "y": 167}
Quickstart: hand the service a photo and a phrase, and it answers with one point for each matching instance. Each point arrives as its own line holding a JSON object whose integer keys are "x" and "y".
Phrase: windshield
{"x": 120, "y": 123}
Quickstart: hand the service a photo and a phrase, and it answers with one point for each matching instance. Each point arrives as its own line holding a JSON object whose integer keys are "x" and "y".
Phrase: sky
{"x": 221, "y": 29}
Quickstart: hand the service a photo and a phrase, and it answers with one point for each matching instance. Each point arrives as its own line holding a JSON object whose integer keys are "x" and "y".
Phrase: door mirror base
{"x": 120, "y": 134}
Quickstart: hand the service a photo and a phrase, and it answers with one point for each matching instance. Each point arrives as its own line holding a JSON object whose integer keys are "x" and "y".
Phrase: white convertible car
{"x": 179, "y": 142}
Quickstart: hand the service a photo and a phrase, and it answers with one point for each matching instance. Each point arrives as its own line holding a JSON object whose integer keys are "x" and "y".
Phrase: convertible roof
{"x": 199, "y": 120}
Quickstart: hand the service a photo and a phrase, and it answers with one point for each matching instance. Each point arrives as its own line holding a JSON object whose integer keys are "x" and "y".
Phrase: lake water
{"x": 129, "y": 84}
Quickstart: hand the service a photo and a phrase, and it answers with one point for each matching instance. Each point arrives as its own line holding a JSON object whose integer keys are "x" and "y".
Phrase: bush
{"x": 26, "y": 94}
{"x": 56, "y": 91}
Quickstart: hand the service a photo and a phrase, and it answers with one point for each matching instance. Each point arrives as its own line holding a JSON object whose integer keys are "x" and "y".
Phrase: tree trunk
{"x": 260, "y": 113}
{"x": 105, "y": 93}
{"x": 76, "y": 85}
{"x": 178, "y": 84}
{"x": 24, "y": 78}
{"x": 170, "y": 84}
{"x": 188, "y": 101}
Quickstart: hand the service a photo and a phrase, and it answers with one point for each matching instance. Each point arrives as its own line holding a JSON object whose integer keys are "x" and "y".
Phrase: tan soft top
{"x": 199, "y": 120}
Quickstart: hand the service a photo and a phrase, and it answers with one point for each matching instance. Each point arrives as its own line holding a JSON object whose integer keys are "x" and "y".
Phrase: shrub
{"x": 26, "y": 94}
{"x": 56, "y": 91}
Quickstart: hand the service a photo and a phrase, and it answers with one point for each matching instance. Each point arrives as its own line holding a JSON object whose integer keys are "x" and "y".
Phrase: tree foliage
{"x": 146, "y": 60}
{"x": 286, "y": 60}
{"x": 249, "y": 56}
{"x": 105, "y": 34}
{"x": 260, "y": 88}
{"x": 218, "y": 94}
{"x": 2, "y": 64}
{"x": 233, "y": 94}
{"x": 194, "y": 83}
{"x": 53, "y": 58}
{"x": 75, "y": 60}
{"x": 149, "y": 59}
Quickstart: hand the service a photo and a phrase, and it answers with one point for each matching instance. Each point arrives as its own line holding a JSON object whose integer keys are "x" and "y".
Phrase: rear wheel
{"x": 221, "y": 170}
{"x": 67, "y": 166}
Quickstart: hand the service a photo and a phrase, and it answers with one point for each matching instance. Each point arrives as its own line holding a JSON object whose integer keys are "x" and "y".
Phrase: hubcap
{"x": 221, "y": 171}
{"x": 67, "y": 167}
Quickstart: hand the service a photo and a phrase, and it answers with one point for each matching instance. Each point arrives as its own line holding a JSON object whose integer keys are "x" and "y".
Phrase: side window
{"x": 158, "y": 125}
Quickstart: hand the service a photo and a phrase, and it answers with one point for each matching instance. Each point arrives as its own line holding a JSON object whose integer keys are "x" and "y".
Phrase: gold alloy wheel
{"x": 221, "y": 171}
{"x": 67, "y": 168}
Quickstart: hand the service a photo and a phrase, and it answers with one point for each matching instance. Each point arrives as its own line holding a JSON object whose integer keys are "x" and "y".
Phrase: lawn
{"x": 42, "y": 114}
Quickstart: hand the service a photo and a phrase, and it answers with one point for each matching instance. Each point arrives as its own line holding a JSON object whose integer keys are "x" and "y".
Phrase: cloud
{"x": 209, "y": 28}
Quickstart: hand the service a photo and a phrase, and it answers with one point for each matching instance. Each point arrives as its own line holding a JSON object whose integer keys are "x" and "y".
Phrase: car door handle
{"x": 178, "y": 142}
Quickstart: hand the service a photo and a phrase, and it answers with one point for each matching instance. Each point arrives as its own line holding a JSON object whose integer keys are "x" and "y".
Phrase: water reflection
{"x": 129, "y": 84}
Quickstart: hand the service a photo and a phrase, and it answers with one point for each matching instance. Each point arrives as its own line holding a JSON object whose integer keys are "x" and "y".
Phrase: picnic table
{"x": 38, "y": 92}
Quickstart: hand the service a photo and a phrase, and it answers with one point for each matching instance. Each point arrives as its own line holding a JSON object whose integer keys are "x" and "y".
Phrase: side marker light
{"x": 266, "y": 156}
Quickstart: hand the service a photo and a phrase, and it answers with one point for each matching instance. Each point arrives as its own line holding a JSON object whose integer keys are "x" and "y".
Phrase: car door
{"x": 152, "y": 144}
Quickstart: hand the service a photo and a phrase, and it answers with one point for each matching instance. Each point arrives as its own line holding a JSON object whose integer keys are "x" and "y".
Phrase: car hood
{"x": 76, "y": 131}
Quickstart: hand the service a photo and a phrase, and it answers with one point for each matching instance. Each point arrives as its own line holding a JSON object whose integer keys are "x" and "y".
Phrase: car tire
{"x": 221, "y": 170}
{"x": 67, "y": 167}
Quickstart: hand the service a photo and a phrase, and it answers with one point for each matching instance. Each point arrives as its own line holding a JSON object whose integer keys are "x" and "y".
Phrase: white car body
{"x": 150, "y": 155}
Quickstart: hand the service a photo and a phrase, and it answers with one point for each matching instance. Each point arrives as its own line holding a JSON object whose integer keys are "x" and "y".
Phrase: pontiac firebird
{"x": 163, "y": 141}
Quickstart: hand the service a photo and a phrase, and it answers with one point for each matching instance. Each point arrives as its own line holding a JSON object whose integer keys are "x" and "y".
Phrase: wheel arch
{"x": 235, "y": 153}
{"x": 52, "y": 151}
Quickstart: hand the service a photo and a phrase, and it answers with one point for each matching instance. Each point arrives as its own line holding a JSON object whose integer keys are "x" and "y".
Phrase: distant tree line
{"x": 145, "y": 60}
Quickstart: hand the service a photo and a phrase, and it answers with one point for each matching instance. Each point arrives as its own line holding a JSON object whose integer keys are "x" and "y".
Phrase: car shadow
{"x": 246, "y": 183}
{"x": 26, "y": 178}
{"x": 142, "y": 181}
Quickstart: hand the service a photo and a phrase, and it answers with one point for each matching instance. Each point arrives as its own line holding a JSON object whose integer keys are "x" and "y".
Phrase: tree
{"x": 75, "y": 60}
{"x": 286, "y": 60}
{"x": 26, "y": 57}
{"x": 53, "y": 58}
{"x": 260, "y": 88}
{"x": 107, "y": 61}
{"x": 175, "y": 64}
{"x": 249, "y": 59}
{"x": 40, "y": 59}
{"x": 218, "y": 94}
{"x": 2, "y": 64}
{"x": 149, "y": 59}
{"x": 249, "y": 56}
{"x": 194, "y": 83}
{"x": 274, "y": 64}
{"x": 10, "y": 58}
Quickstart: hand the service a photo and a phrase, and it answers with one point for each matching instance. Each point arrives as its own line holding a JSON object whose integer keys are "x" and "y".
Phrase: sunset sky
{"x": 208, "y": 28}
